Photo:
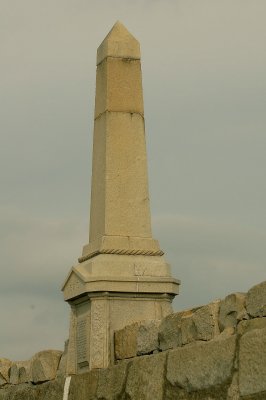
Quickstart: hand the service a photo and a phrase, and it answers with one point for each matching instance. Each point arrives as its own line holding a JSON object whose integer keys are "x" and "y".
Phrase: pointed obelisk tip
{"x": 119, "y": 43}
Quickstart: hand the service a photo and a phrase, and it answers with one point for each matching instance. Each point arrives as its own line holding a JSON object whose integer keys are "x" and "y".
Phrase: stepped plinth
{"x": 122, "y": 276}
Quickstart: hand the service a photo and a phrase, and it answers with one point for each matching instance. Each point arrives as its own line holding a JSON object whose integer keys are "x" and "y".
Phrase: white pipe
{"x": 66, "y": 387}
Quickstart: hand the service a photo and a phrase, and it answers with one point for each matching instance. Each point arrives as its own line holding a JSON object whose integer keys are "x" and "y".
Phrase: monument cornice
{"x": 142, "y": 252}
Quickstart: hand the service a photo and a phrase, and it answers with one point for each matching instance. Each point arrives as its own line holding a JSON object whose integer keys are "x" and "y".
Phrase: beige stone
{"x": 119, "y": 43}
{"x": 122, "y": 276}
{"x": 24, "y": 368}
{"x": 13, "y": 374}
{"x": 119, "y": 193}
{"x": 137, "y": 339}
{"x": 3, "y": 381}
{"x": 84, "y": 386}
{"x": 112, "y": 381}
{"x": 119, "y": 87}
{"x": 170, "y": 335}
{"x": 232, "y": 310}
{"x": 201, "y": 365}
{"x": 225, "y": 333}
{"x": 170, "y": 330}
{"x": 256, "y": 300}
{"x": 44, "y": 365}
{"x": 71, "y": 362}
{"x": 246, "y": 326}
{"x": 205, "y": 321}
{"x": 52, "y": 390}
{"x": 62, "y": 367}
{"x": 252, "y": 362}
{"x": 233, "y": 390}
{"x": 146, "y": 378}
{"x": 5, "y": 364}
{"x": 188, "y": 326}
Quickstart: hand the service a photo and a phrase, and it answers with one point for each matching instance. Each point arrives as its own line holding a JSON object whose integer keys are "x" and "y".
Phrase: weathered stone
{"x": 201, "y": 365}
{"x": 246, "y": 326}
{"x": 188, "y": 326}
{"x": 84, "y": 386}
{"x": 170, "y": 334}
{"x": 44, "y": 365}
{"x": 61, "y": 371}
{"x": 24, "y": 368}
{"x": 137, "y": 339}
{"x": 146, "y": 378}
{"x": 119, "y": 200}
{"x": 23, "y": 377}
{"x": 5, "y": 364}
{"x": 233, "y": 390}
{"x": 232, "y": 310}
{"x": 19, "y": 392}
{"x": 256, "y": 300}
{"x": 219, "y": 392}
{"x": 227, "y": 332}
{"x": 206, "y": 322}
{"x": 2, "y": 380}
{"x": 52, "y": 390}
{"x": 147, "y": 338}
{"x": 111, "y": 381}
{"x": 252, "y": 362}
{"x": 119, "y": 43}
{"x": 13, "y": 374}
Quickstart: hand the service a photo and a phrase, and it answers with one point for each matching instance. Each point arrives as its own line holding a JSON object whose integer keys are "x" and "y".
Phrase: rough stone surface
{"x": 24, "y": 368}
{"x": 188, "y": 326}
{"x": 2, "y": 380}
{"x": 232, "y": 310}
{"x": 52, "y": 390}
{"x": 201, "y": 365}
{"x": 139, "y": 338}
{"x": 145, "y": 378}
{"x": 205, "y": 320}
{"x": 170, "y": 335}
{"x": 5, "y": 364}
{"x": 61, "y": 372}
{"x": 13, "y": 374}
{"x": 252, "y": 362}
{"x": 44, "y": 365}
{"x": 219, "y": 392}
{"x": 227, "y": 367}
{"x": 255, "y": 323}
{"x": 258, "y": 396}
{"x": 233, "y": 390}
{"x": 84, "y": 386}
{"x": 256, "y": 300}
{"x": 111, "y": 381}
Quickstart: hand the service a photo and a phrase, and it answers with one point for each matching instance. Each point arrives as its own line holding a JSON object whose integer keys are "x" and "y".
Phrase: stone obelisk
{"x": 122, "y": 276}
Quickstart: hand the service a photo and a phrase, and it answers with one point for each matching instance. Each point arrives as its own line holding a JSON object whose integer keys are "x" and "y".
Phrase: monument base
{"x": 108, "y": 292}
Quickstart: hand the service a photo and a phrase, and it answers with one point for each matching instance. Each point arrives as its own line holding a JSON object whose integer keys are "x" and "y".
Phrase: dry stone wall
{"x": 217, "y": 351}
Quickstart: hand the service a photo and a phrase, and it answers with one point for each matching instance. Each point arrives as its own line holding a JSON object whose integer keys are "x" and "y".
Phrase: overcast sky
{"x": 203, "y": 64}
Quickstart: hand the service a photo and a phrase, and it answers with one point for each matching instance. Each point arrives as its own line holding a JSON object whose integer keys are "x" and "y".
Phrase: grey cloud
{"x": 211, "y": 257}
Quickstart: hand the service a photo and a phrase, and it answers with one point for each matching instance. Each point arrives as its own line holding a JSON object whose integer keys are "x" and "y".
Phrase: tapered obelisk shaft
{"x": 120, "y": 211}
{"x": 122, "y": 276}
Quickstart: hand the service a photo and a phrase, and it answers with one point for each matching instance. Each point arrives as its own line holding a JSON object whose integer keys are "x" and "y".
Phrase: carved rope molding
{"x": 122, "y": 252}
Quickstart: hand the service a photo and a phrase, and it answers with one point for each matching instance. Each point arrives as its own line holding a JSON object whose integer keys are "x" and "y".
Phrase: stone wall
{"x": 217, "y": 351}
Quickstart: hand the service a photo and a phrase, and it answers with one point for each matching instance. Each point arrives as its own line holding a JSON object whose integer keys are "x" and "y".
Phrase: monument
{"x": 122, "y": 276}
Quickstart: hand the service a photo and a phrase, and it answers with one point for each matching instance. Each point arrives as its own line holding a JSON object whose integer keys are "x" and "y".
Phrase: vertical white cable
{"x": 66, "y": 387}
